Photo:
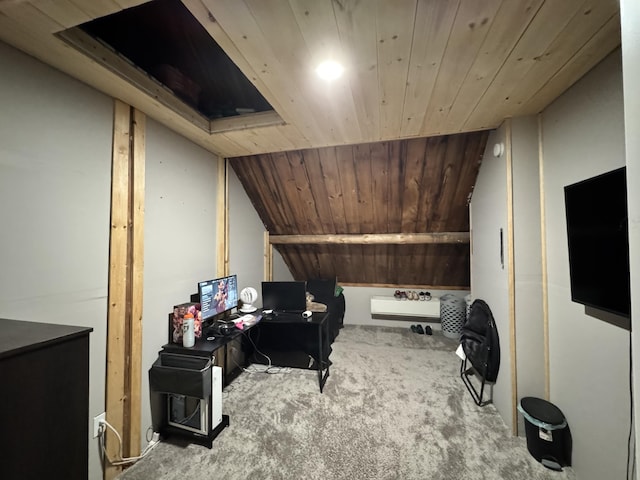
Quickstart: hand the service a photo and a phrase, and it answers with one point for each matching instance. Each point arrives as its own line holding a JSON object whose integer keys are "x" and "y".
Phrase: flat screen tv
{"x": 217, "y": 296}
{"x": 598, "y": 237}
{"x": 284, "y": 296}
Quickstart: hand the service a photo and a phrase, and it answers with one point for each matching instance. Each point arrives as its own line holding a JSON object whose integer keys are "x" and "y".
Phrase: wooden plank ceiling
{"x": 414, "y": 68}
{"x": 331, "y": 195}
{"x": 385, "y": 149}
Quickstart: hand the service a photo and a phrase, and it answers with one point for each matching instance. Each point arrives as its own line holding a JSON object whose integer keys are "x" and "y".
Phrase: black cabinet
{"x": 227, "y": 351}
{"x": 44, "y": 401}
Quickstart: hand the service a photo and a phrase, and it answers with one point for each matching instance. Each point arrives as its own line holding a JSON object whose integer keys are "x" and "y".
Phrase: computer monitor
{"x": 284, "y": 296}
{"x": 217, "y": 296}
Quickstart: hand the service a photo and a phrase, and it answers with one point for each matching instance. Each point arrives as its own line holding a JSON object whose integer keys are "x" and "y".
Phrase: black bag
{"x": 480, "y": 342}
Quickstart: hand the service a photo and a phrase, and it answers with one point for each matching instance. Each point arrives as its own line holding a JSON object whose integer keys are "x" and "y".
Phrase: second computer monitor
{"x": 284, "y": 296}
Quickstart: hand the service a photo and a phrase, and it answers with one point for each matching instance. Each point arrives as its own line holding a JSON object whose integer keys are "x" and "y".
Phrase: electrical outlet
{"x": 96, "y": 424}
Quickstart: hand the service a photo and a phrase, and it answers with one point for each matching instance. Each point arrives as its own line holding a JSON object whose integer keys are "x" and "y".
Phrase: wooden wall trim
{"x": 511, "y": 280}
{"x": 371, "y": 239}
{"x": 268, "y": 258}
{"x": 222, "y": 219}
{"x": 117, "y": 311}
{"x": 138, "y": 161}
{"x": 125, "y": 297}
{"x": 543, "y": 244}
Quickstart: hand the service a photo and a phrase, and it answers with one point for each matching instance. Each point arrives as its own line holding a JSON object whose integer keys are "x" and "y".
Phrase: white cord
{"x": 121, "y": 460}
{"x": 264, "y": 369}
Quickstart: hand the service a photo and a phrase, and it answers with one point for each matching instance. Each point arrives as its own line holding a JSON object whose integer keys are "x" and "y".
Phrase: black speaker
{"x": 221, "y": 329}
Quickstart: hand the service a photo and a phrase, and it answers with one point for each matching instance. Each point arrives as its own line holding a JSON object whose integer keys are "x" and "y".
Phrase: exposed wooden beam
{"x": 511, "y": 280}
{"x": 137, "y": 168}
{"x": 117, "y": 311}
{"x": 545, "y": 273}
{"x": 372, "y": 238}
{"x": 268, "y": 258}
{"x": 125, "y": 296}
{"x": 222, "y": 219}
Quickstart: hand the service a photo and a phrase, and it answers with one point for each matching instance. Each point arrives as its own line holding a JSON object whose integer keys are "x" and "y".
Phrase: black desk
{"x": 190, "y": 379}
{"x": 222, "y": 348}
{"x": 318, "y": 322}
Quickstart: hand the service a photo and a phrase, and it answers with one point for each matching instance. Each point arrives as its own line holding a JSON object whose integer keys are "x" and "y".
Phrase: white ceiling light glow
{"x": 329, "y": 70}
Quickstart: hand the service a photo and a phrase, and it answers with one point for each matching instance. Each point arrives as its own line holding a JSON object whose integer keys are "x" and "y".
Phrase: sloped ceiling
{"x": 359, "y": 212}
{"x": 418, "y": 72}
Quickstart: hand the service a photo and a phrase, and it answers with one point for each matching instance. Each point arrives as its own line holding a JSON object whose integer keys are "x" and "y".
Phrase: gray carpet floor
{"x": 394, "y": 407}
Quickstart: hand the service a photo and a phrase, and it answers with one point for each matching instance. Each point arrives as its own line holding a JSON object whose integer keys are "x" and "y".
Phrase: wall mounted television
{"x": 217, "y": 296}
{"x": 598, "y": 238}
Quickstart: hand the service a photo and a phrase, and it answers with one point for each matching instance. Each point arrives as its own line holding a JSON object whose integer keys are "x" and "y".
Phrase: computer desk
{"x": 318, "y": 321}
{"x": 219, "y": 348}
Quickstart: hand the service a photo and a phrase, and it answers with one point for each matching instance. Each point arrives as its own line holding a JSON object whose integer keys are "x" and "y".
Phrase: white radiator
{"x": 381, "y": 305}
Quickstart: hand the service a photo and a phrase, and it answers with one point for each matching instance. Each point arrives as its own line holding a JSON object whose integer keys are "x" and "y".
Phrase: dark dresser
{"x": 44, "y": 401}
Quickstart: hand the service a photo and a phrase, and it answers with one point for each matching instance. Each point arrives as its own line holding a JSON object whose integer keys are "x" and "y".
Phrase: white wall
{"x": 489, "y": 276}
{"x": 179, "y": 236}
{"x": 246, "y": 239}
{"x": 583, "y": 134}
{"x": 358, "y": 307}
{"x": 281, "y": 272}
{"x": 630, "y": 13}
{"x": 55, "y": 187}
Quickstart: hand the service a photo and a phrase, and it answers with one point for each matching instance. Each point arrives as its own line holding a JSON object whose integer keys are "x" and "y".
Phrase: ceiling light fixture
{"x": 329, "y": 70}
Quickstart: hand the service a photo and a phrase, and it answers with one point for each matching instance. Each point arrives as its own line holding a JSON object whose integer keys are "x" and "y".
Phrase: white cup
{"x": 188, "y": 333}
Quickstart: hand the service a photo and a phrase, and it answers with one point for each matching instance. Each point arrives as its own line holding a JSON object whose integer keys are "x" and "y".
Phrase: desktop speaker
{"x": 221, "y": 328}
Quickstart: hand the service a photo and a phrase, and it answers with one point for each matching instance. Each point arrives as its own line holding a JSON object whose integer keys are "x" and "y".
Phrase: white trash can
{"x": 453, "y": 314}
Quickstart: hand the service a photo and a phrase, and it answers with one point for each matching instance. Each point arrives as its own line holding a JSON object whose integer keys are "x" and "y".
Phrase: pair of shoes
{"x": 412, "y": 295}
{"x": 418, "y": 329}
{"x": 428, "y": 330}
{"x": 400, "y": 295}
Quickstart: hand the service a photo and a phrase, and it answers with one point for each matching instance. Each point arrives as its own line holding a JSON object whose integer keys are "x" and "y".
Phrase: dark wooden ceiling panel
{"x": 420, "y": 266}
{"x": 415, "y": 186}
